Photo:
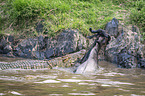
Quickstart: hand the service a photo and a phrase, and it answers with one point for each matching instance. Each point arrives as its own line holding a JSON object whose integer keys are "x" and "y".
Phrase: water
{"x": 109, "y": 81}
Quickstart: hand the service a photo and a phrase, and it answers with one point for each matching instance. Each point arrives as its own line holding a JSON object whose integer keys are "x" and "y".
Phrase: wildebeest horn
{"x": 95, "y": 31}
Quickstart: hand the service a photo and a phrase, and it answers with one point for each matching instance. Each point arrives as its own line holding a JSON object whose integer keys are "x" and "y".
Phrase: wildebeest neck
{"x": 86, "y": 56}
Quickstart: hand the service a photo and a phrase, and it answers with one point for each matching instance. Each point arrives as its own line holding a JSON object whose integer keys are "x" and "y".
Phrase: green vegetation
{"x": 20, "y": 16}
{"x": 137, "y": 15}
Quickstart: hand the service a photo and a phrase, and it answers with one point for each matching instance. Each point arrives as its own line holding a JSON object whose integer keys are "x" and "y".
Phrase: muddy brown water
{"x": 108, "y": 81}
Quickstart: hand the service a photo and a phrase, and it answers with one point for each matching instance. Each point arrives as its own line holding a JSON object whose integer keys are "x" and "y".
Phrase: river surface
{"x": 108, "y": 81}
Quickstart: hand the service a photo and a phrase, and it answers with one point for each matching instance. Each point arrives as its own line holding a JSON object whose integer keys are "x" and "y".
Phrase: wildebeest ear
{"x": 90, "y": 29}
{"x": 109, "y": 38}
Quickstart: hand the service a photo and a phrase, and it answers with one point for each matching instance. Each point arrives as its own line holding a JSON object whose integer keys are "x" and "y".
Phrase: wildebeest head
{"x": 101, "y": 36}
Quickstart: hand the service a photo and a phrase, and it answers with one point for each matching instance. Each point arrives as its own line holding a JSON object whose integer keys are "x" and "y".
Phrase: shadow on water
{"x": 109, "y": 81}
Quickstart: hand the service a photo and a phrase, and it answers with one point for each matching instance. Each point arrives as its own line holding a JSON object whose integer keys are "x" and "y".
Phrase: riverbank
{"x": 124, "y": 49}
{"x": 30, "y": 18}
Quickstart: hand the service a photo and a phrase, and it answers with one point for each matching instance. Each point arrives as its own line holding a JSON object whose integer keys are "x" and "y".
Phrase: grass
{"x": 20, "y": 16}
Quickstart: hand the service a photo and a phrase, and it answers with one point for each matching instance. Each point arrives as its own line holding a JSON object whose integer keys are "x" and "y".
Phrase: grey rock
{"x": 10, "y": 38}
{"x": 10, "y": 54}
{"x": 142, "y": 63}
{"x": 39, "y": 26}
{"x": 38, "y": 55}
{"x": 112, "y": 27}
{"x": 41, "y": 42}
{"x": 126, "y": 61}
{"x": 6, "y": 44}
{"x": 124, "y": 46}
{"x": 7, "y": 49}
{"x": 49, "y": 53}
{"x": 26, "y": 47}
{"x": 67, "y": 41}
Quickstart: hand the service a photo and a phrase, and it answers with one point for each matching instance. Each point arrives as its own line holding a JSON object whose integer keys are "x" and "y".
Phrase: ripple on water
{"x": 1, "y": 94}
{"x": 49, "y": 81}
{"x": 15, "y": 93}
{"x": 65, "y": 85}
{"x": 42, "y": 76}
{"x": 55, "y": 94}
{"x": 83, "y": 83}
{"x": 113, "y": 74}
{"x": 81, "y": 94}
{"x": 109, "y": 82}
{"x": 70, "y": 80}
{"x": 105, "y": 85}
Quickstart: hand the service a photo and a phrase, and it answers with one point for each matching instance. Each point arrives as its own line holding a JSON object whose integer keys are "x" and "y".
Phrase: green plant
{"x": 21, "y": 16}
{"x": 137, "y": 15}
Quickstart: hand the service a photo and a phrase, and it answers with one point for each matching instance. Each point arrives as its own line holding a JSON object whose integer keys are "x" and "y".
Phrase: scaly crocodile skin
{"x": 64, "y": 61}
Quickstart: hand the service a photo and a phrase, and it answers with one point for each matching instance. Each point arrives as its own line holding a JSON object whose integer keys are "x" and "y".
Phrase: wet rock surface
{"x": 43, "y": 47}
{"x": 125, "y": 48}
{"x": 66, "y": 42}
{"x": 6, "y": 43}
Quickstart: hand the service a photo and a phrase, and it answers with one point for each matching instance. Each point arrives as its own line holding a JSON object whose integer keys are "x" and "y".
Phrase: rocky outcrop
{"x": 6, "y": 44}
{"x": 125, "y": 48}
{"x": 43, "y": 47}
{"x": 66, "y": 42}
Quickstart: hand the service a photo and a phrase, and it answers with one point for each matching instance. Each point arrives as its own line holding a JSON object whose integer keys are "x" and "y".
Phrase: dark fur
{"x": 100, "y": 33}
{"x": 88, "y": 53}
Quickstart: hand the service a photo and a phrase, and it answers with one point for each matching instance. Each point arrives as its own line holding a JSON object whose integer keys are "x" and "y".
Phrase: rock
{"x": 49, "y": 52}
{"x": 41, "y": 42}
{"x": 124, "y": 46}
{"x": 10, "y": 38}
{"x": 67, "y": 41}
{"x": 38, "y": 55}
{"x": 6, "y": 43}
{"x": 39, "y": 26}
{"x": 142, "y": 63}
{"x": 7, "y": 49}
{"x": 126, "y": 61}
{"x": 25, "y": 47}
{"x": 10, "y": 54}
{"x": 112, "y": 27}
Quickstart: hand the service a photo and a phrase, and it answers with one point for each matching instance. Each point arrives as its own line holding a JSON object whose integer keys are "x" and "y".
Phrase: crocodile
{"x": 64, "y": 61}
{"x": 88, "y": 62}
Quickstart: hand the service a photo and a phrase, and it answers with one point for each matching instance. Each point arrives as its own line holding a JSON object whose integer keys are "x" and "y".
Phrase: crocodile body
{"x": 24, "y": 64}
{"x": 64, "y": 61}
